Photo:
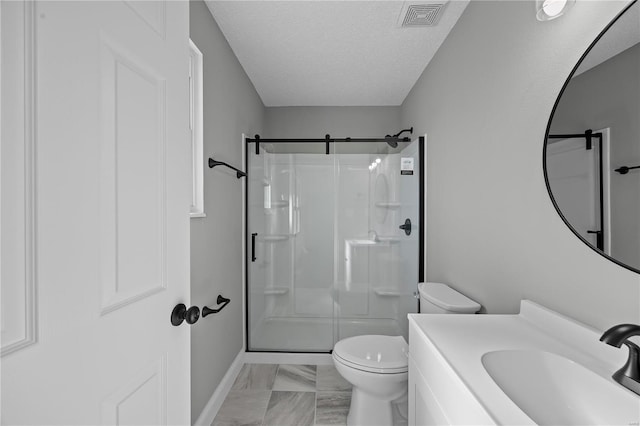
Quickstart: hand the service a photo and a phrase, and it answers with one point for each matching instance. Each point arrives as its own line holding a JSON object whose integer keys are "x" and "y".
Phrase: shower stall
{"x": 334, "y": 240}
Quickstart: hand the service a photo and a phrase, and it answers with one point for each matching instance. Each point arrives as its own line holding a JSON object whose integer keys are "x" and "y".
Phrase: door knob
{"x": 180, "y": 313}
{"x": 406, "y": 227}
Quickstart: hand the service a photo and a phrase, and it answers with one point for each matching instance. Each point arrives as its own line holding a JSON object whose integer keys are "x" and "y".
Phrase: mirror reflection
{"x": 592, "y": 155}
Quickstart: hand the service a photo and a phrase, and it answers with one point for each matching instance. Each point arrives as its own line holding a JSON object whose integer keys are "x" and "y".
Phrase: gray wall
{"x": 492, "y": 231}
{"x": 231, "y": 107}
{"x": 338, "y": 121}
{"x": 609, "y": 96}
{"x": 484, "y": 101}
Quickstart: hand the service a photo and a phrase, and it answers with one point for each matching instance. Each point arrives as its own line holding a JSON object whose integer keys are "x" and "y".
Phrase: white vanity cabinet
{"x": 536, "y": 367}
{"x": 423, "y": 407}
{"x": 437, "y": 396}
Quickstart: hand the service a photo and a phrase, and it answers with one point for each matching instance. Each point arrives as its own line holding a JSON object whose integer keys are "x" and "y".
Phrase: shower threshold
{"x": 314, "y": 335}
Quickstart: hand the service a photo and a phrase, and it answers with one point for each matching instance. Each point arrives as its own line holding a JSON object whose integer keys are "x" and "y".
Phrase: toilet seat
{"x": 373, "y": 353}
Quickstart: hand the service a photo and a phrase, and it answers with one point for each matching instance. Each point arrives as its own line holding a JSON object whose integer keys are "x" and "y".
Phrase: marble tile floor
{"x": 290, "y": 395}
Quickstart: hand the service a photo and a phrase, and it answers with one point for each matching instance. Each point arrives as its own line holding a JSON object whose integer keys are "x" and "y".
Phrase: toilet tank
{"x": 438, "y": 298}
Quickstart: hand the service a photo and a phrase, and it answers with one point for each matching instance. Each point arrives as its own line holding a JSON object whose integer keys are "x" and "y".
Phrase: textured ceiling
{"x": 307, "y": 53}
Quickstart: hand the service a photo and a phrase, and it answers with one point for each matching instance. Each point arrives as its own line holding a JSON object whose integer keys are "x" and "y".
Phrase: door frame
{"x": 602, "y": 136}
{"x": 29, "y": 287}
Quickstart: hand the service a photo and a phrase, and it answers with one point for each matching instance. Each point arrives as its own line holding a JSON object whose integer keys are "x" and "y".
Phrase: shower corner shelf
{"x": 276, "y": 291}
{"x": 388, "y": 205}
{"x": 387, "y": 292}
{"x": 389, "y": 239}
{"x": 275, "y": 237}
{"x": 279, "y": 203}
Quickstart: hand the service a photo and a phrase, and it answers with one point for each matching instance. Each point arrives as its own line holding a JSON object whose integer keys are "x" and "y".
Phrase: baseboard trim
{"x": 287, "y": 358}
{"x": 215, "y": 402}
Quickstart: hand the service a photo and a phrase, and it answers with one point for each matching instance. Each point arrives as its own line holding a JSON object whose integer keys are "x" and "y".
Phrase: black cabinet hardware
{"x": 220, "y": 300}
{"x": 180, "y": 313}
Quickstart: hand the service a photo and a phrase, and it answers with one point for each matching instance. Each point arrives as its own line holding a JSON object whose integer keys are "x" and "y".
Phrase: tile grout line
{"x": 315, "y": 402}
{"x": 267, "y": 408}
{"x": 315, "y": 408}
{"x": 315, "y": 390}
{"x": 270, "y": 394}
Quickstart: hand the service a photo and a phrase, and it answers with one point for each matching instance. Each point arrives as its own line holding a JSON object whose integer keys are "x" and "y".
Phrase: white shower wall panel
{"x": 279, "y": 235}
{"x": 352, "y": 222}
{"x": 313, "y": 244}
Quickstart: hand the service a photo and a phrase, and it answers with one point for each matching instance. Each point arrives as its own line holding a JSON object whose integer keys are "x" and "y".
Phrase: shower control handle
{"x": 406, "y": 227}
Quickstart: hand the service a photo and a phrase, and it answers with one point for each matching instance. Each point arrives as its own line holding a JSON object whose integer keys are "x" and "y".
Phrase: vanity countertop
{"x": 460, "y": 341}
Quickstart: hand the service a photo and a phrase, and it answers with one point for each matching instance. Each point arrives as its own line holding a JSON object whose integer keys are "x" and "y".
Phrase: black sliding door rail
{"x": 330, "y": 140}
{"x": 327, "y": 140}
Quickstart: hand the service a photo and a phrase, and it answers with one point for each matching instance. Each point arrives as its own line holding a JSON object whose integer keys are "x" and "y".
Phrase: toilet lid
{"x": 447, "y": 298}
{"x": 379, "y": 354}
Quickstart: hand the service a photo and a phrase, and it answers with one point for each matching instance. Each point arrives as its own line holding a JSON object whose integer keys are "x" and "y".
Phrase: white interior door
{"x": 95, "y": 210}
{"x": 573, "y": 173}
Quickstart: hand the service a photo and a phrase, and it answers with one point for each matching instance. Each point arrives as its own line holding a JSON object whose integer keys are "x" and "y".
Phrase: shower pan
{"x": 334, "y": 240}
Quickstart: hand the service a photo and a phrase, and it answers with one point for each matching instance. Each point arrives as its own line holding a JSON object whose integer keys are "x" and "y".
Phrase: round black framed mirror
{"x": 591, "y": 155}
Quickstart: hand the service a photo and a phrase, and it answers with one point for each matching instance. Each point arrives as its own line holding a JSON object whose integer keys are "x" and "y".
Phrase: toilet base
{"x": 368, "y": 410}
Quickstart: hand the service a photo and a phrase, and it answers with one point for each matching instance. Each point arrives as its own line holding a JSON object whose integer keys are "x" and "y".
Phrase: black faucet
{"x": 629, "y": 375}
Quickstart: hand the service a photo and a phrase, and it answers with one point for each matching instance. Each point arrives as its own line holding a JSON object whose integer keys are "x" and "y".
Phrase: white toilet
{"x": 377, "y": 366}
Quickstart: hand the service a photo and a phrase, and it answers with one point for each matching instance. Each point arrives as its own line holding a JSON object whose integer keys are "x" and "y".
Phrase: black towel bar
{"x": 207, "y": 311}
{"x": 625, "y": 169}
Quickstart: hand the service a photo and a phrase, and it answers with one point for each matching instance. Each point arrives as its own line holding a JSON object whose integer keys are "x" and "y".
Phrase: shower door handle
{"x": 253, "y": 246}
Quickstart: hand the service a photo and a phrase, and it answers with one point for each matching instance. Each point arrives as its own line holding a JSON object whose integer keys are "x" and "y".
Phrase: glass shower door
{"x": 290, "y": 243}
{"x": 377, "y": 192}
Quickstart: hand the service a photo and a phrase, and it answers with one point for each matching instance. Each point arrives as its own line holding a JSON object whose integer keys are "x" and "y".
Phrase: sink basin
{"x": 553, "y": 390}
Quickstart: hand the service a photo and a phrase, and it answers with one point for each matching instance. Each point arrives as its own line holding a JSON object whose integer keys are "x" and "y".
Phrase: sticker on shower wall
{"x": 406, "y": 165}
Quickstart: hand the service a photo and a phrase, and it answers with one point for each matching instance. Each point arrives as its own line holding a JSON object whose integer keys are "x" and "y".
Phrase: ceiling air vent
{"x": 421, "y": 14}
